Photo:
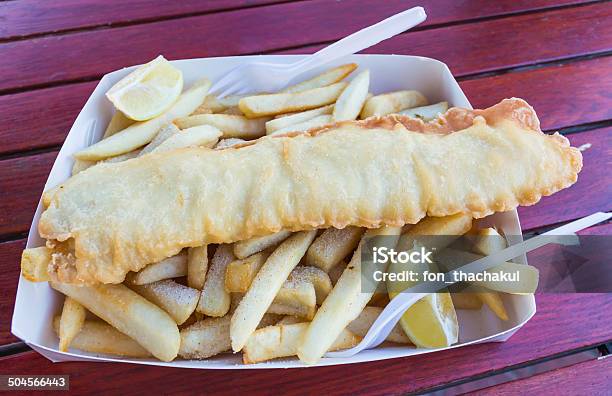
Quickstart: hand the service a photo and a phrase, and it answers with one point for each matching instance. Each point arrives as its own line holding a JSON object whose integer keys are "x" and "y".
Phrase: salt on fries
{"x": 197, "y": 266}
{"x": 131, "y": 314}
{"x": 344, "y": 304}
{"x": 71, "y": 322}
{"x": 266, "y": 285}
{"x": 271, "y": 296}
{"x": 215, "y": 300}
{"x": 254, "y": 245}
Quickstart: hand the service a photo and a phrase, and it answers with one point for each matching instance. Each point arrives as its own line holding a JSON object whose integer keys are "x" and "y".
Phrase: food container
{"x": 37, "y": 303}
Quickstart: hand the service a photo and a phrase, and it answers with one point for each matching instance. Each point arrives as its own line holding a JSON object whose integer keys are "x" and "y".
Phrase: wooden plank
{"x": 35, "y": 62}
{"x": 29, "y": 17}
{"x": 572, "y": 94}
{"x": 506, "y": 42}
{"x": 590, "y": 194}
{"x": 10, "y": 257}
{"x": 578, "y": 320}
{"x": 41, "y": 118}
{"x": 587, "y": 378}
{"x": 55, "y": 108}
{"x": 21, "y": 183}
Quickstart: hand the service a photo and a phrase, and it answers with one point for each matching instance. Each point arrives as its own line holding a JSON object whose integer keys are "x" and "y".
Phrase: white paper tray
{"x": 37, "y": 303}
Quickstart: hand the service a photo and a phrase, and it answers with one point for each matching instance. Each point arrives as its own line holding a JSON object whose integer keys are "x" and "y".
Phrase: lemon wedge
{"x": 148, "y": 91}
{"x": 432, "y": 321}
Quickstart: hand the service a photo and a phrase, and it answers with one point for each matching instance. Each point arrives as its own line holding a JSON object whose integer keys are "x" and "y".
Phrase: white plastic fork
{"x": 268, "y": 77}
{"x": 392, "y": 313}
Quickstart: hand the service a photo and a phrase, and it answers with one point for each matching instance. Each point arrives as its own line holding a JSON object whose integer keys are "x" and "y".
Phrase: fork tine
{"x": 231, "y": 90}
{"x": 227, "y": 81}
{"x": 222, "y": 85}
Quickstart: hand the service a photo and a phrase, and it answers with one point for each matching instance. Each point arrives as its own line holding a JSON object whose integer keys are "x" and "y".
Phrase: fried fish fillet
{"x": 388, "y": 170}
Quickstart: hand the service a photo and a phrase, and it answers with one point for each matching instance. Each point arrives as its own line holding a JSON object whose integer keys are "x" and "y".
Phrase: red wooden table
{"x": 553, "y": 53}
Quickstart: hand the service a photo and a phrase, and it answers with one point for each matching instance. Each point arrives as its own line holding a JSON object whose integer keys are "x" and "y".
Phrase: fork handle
{"x": 363, "y": 39}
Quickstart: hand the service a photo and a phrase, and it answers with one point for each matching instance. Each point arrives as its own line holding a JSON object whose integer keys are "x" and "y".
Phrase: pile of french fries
{"x": 273, "y": 296}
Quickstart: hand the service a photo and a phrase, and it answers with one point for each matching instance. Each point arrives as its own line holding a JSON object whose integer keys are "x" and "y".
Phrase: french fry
{"x": 213, "y": 104}
{"x": 298, "y": 299}
{"x": 324, "y": 79}
{"x": 351, "y": 101}
{"x": 198, "y": 136}
{"x": 232, "y": 126}
{"x": 178, "y": 300}
{"x": 98, "y": 337}
{"x": 209, "y": 337}
{"x": 163, "y": 134}
{"x": 332, "y": 246}
{"x": 426, "y": 113}
{"x": 202, "y": 110}
{"x": 209, "y": 105}
{"x": 306, "y": 125}
{"x": 365, "y": 320}
{"x": 342, "y": 306}
{"x": 494, "y": 302}
{"x": 319, "y": 279}
{"x": 254, "y": 245}
{"x": 489, "y": 241}
{"x": 444, "y": 231}
{"x": 294, "y": 298}
{"x": 392, "y": 102}
{"x": 297, "y": 118}
{"x": 227, "y": 143}
{"x": 267, "y": 320}
{"x": 215, "y": 300}
{"x": 197, "y": 265}
{"x": 171, "y": 267}
{"x": 466, "y": 301}
{"x": 271, "y": 104}
{"x": 304, "y": 288}
{"x": 266, "y": 285}
{"x": 34, "y": 264}
{"x": 205, "y": 338}
{"x": 336, "y": 272}
{"x": 141, "y": 133}
{"x": 71, "y": 322}
{"x": 117, "y": 123}
{"x": 240, "y": 273}
{"x": 131, "y": 314}
{"x": 282, "y": 341}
